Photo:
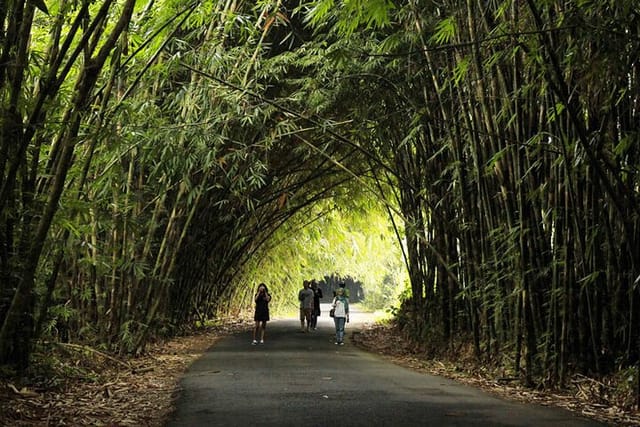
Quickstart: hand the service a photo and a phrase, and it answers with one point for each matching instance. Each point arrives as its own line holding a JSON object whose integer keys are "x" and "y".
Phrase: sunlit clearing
{"x": 356, "y": 244}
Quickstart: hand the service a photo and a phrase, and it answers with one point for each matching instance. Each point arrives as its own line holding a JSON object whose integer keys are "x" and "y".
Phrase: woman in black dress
{"x": 317, "y": 294}
{"x": 261, "y": 315}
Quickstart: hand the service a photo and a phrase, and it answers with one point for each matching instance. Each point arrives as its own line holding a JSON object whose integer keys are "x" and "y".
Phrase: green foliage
{"x": 445, "y": 30}
{"x": 58, "y": 321}
{"x": 346, "y": 236}
{"x": 349, "y": 15}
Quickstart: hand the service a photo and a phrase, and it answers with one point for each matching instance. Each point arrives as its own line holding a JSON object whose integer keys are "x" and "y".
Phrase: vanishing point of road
{"x": 305, "y": 380}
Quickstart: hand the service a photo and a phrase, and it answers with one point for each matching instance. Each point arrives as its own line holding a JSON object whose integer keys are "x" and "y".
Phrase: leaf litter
{"x": 100, "y": 390}
{"x": 584, "y": 396}
{"x": 90, "y": 388}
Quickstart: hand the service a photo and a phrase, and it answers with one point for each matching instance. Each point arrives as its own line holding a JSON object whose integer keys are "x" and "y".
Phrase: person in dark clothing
{"x": 261, "y": 315}
{"x": 317, "y": 295}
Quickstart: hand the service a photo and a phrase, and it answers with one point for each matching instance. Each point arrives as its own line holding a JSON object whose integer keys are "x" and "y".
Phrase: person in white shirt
{"x": 340, "y": 306}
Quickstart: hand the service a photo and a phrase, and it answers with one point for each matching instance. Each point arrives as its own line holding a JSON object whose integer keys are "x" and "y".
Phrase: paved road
{"x": 298, "y": 379}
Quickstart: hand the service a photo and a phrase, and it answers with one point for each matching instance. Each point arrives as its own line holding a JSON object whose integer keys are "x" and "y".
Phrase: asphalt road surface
{"x": 305, "y": 380}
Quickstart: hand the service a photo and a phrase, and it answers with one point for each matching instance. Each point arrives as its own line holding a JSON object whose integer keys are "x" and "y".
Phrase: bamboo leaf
{"x": 445, "y": 31}
{"x": 41, "y": 5}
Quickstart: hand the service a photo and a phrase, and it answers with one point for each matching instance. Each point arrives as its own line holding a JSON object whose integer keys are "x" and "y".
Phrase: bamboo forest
{"x": 474, "y": 164}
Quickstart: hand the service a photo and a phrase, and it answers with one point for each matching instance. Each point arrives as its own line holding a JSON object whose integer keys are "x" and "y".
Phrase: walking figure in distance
{"x": 305, "y": 296}
{"x": 261, "y": 315}
{"x": 340, "y": 305}
{"x": 317, "y": 295}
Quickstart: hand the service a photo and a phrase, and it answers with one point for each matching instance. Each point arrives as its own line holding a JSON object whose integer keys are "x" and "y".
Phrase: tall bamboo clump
{"x": 148, "y": 167}
{"x": 525, "y": 196}
{"x": 48, "y": 86}
{"x": 512, "y": 128}
{"x": 191, "y": 186}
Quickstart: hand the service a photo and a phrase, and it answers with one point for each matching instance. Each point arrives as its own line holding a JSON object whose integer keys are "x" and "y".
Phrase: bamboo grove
{"x": 152, "y": 151}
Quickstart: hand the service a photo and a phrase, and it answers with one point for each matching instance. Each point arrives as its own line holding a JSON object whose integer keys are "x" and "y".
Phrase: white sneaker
{"x": 254, "y": 342}
{"x": 261, "y": 341}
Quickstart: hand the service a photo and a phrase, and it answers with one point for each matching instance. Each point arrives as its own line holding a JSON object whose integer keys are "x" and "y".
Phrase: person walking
{"x": 317, "y": 295}
{"x": 261, "y": 314}
{"x": 305, "y": 296}
{"x": 340, "y": 306}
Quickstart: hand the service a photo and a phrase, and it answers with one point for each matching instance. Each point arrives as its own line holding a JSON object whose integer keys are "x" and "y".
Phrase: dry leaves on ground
{"x": 141, "y": 391}
{"x": 388, "y": 342}
{"x": 135, "y": 392}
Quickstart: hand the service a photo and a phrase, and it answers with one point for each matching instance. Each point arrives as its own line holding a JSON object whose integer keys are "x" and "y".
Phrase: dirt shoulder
{"x": 85, "y": 387}
{"x": 585, "y": 396}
